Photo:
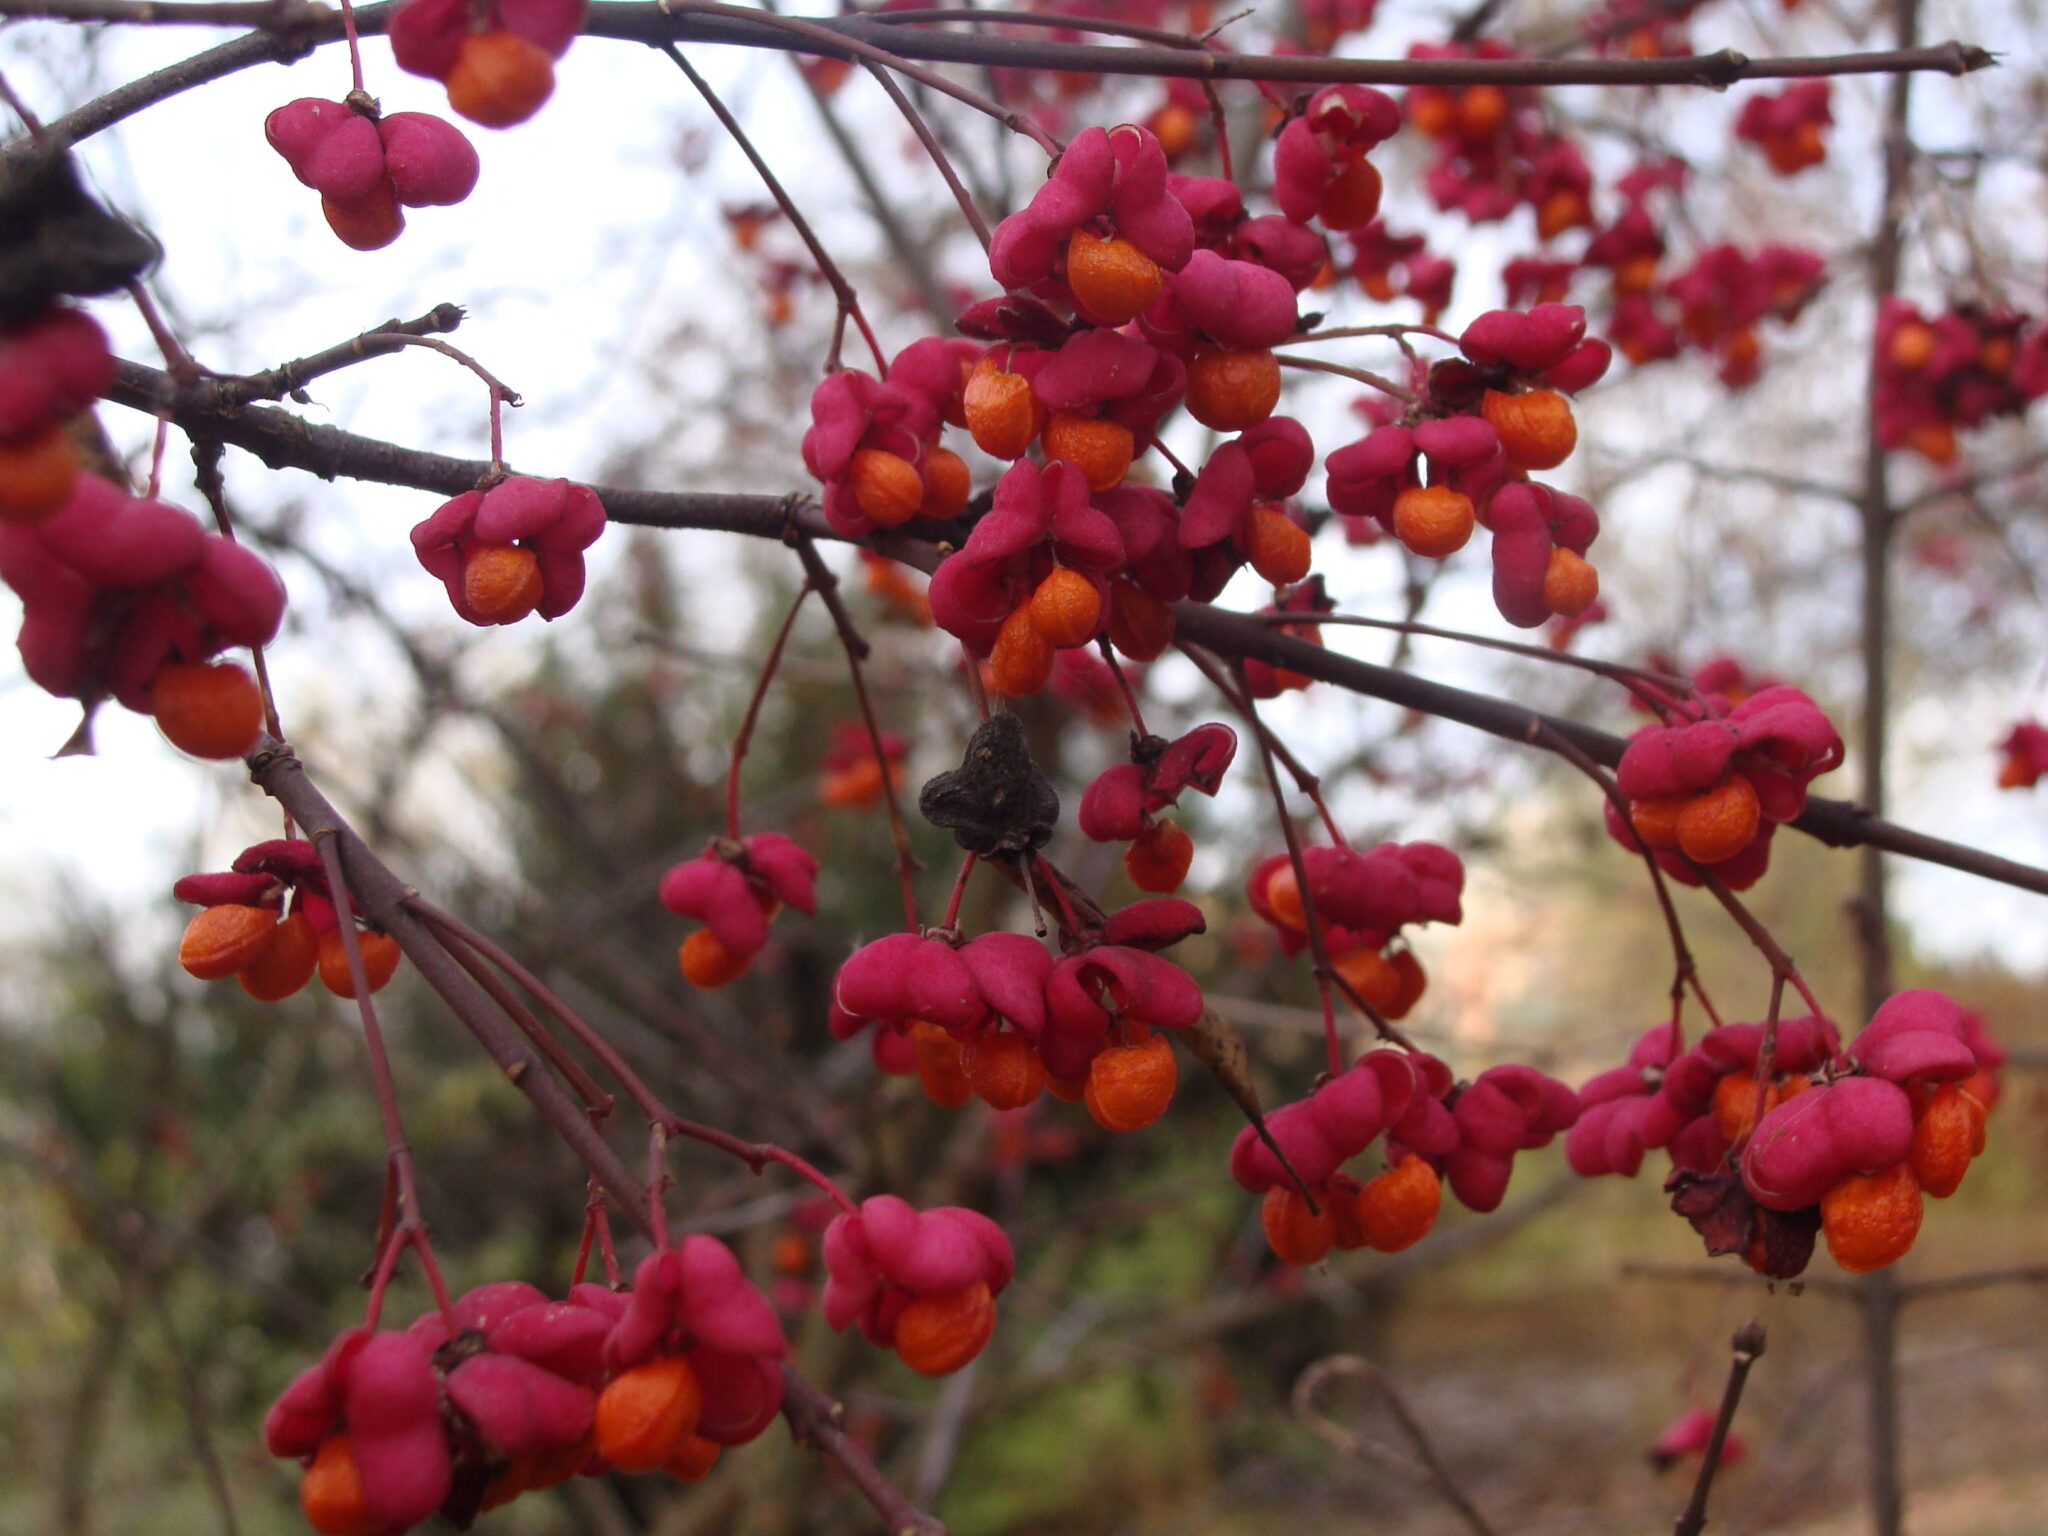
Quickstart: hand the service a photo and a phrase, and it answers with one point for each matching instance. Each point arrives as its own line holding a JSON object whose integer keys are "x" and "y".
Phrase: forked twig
{"x": 1425, "y": 1467}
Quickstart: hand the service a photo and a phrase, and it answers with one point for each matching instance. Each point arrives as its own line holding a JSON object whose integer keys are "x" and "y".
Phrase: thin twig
{"x": 1360, "y": 375}
{"x": 934, "y": 148}
{"x": 1428, "y": 1469}
{"x": 745, "y": 738}
{"x": 910, "y": 257}
{"x": 815, "y": 32}
{"x": 411, "y": 1227}
{"x": 1621, "y": 672}
{"x": 826, "y": 584}
{"x": 1310, "y": 784}
{"x": 842, "y": 290}
{"x": 1685, "y": 968}
{"x": 1748, "y": 1347}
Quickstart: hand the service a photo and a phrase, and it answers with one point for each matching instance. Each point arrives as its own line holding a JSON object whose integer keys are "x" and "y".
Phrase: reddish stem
{"x": 840, "y": 42}
{"x": 178, "y": 362}
{"x": 1123, "y": 684}
{"x": 975, "y": 690}
{"x": 959, "y": 890}
{"x": 1363, "y": 376}
{"x": 397, "y": 1152}
{"x": 657, "y": 1182}
{"x": 595, "y": 1099}
{"x": 1069, "y": 924}
{"x": 805, "y": 1170}
{"x": 1221, "y": 125}
{"x": 156, "y": 457}
{"x": 1685, "y": 968}
{"x": 1780, "y": 962}
{"x": 842, "y": 290}
{"x": 746, "y": 735}
{"x": 355, "y": 51}
{"x": 456, "y": 936}
{"x": 21, "y": 109}
{"x": 1308, "y": 783}
{"x": 856, "y": 649}
{"x": 934, "y": 148}
{"x": 206, "y": 457}
{"x": 1319, "y": 947}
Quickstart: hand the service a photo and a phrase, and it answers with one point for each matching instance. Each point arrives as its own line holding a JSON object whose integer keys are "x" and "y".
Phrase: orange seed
{"x": 1112, "y": 280}
{"x": 209, "y": 709}
{"x": 220, "y": 940}
{"x": 501, "y": 582}
{"x": 1231, "y": 391}
{"x": 499, "y": 79}
{"x": 1433, "y": 520}
{"x": 937, "y": 1334}
{"x": 1871, "y": 1219}
{"x": 644, "y": 1413}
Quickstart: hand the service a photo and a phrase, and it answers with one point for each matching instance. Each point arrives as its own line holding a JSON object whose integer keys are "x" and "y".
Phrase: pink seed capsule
{"x": 331, "y": 149}
{"x": 429, "y": 160}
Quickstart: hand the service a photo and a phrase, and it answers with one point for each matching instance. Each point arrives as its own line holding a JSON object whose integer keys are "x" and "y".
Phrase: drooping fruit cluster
{"x": 1122, "y": 805}
{"x": 1495, "y": 150}
{"x": 368, "y": 169}
{"x": 1953, "y": 371}
{"x": 132, "y": 599}
{"x": 270, "y": 923}
{"x": 1830, "y": 1142}
{"x": 1320, "y": 170}
{"x": 1697, "y": 1104}
{"x": 510, "y": 1392}
{"x": 496, "y": 58}
{"x": 998, "y": 1018}
{"x": 874, "y": 443}
{"x": 1378, "y": 255}
{"x": 1863, "y": 1147}
{"x": 511, "y": 548}
{"x": 1717, "y": 303}
{"x": 922, "y": 1283}
{"x": 853, "y": 778}
{"x": 1726, "y": 294}
{"x": 1362, "y": 901}
{"x": 734, "y": 888}
{"x": 1435, "y": 1129}
{"x": 695, "y": 1356}
{"x": 52, "y": 366}
{"x": 1788, "y": 127}
{"x": 1032, "y": 578}
{"x": 1177, "y": 297}
{"x": 2026, "y": 755}
{"x": 1712, "y": 786}
{"x": 1462, "y": 455}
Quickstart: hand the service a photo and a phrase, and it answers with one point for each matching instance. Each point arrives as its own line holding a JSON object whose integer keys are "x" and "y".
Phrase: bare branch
{"x": 282, "y": 440}
{"x": 857, "y": 37}
{"x": 1748, "y": 1347}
